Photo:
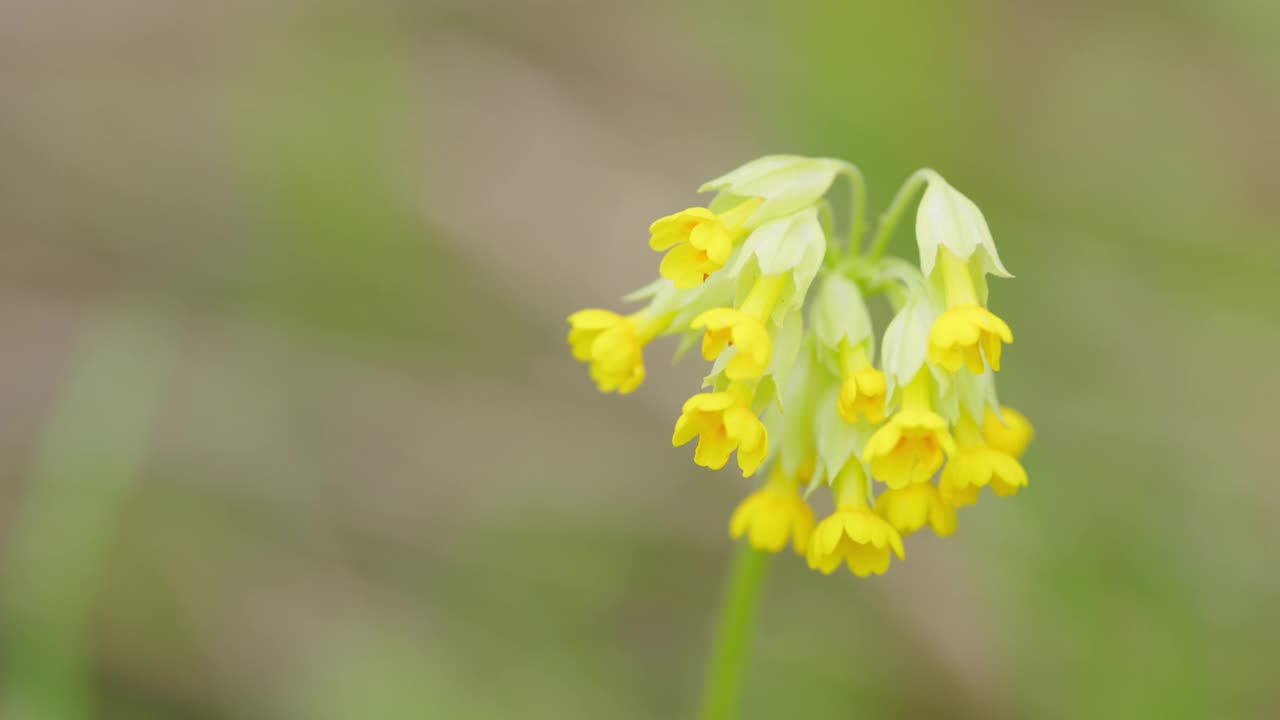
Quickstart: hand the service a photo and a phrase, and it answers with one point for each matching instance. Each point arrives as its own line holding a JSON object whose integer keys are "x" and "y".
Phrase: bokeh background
{"x": 288, "y": 428}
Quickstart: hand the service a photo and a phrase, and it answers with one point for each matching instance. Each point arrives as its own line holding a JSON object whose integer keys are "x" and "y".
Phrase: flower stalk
{"x": 901, "y": 201}
{"x": 796, "y": 390}
{"x": 722, "y": 684}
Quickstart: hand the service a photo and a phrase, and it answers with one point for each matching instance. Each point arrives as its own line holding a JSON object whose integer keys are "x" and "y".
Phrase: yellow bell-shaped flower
{"x": 978, "y": 465}
{"x": 723, "y": 422}
{"x": 913, "y": 444}
{"x": 910, "y": 508}
{"x": 853, "y": 535}
{"x": 613, "y": 345}
{"x": 966, "y": 331}
{"x": 775, "y": 513}
{"x": 698, "y": 241}
{"x": 862, "y": 392}
{"x": 745, "y": 328}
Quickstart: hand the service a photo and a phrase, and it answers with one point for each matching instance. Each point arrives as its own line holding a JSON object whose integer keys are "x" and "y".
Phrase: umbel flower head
{"x": 902, "y": 427}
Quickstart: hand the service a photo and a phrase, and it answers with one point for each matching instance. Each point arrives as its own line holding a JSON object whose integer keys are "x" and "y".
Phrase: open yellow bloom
{"x": 774, "y": 513}
{"x": 963, "y": 334}
{"x": 745, "y": 328}
{"x": 699, "y": 241}
{"x": 863, "y": 390}
{"x": 857, "y": 537}
{"x": 966, "y": 331}
{"x": 728, "y": 326}
{"x": 979, "y": 465}
{"x": 908, "y": 509}
{"x": 1010, "y": 436}
{"x": 613, "y": 345}
{"x": 723, "y": 422}
{"x": 854, "y": 534}
{"x": 914, "y": 443}
{"x": 975, "y": 468}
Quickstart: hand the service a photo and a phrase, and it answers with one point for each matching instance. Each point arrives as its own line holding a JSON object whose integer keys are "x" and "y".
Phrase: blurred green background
{"x": 290, "y": 429}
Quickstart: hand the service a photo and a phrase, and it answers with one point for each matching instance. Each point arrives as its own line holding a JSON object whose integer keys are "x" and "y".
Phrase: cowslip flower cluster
{"x": 776, "y": 299}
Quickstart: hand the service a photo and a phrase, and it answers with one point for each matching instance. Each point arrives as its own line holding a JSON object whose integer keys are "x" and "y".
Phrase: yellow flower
{"x": 863, "y": 389}
{"x": 613, "y": 345}
{"x": 857, "y": 537}
{"x": 966, "y": 331}
{"x": 960, "y": 332}
{"x": 1011, "y": 436}
{"x": 911, "y": 446}
{"x": 978, "y": 465}
{"x": 908, "y": 509}
{"x": 854, "y": 534}
{"x": 744, "y": 328}
{"x": 773, "y": 513}
{"x": 723, "y": 422}
{"x": 699, "y": 241}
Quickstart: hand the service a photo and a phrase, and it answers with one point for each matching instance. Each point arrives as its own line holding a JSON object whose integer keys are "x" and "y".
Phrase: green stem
{"x": 834, "y": 255}
{"x": 859, "y": 210}
{"x": 723, "y": 682}
{"x": 889, "y": 220}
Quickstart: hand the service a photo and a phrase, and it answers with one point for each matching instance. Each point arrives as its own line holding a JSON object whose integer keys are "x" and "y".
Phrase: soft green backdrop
{"x": 288, "y": 428}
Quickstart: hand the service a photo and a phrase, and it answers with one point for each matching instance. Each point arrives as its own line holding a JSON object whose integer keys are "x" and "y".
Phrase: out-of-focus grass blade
{"x": 86, "y": 467}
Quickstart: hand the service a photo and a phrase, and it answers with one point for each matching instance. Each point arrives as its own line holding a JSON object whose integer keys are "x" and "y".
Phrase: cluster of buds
{"x": 779, "y": 302}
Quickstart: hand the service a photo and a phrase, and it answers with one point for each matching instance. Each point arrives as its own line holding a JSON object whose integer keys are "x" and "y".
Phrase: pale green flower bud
{"x": 792, "y": 419}
{"x": 906, "y": 341}
{"x": 837, "y": 441}
{"x": 792, "y": 246}
{"x": 946, "y": 218}
{"x": 787, "y": 183}
{"x": 973, "y": 394}
{"x": 840, "y": 315}
{"x": 788, "y": 339}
